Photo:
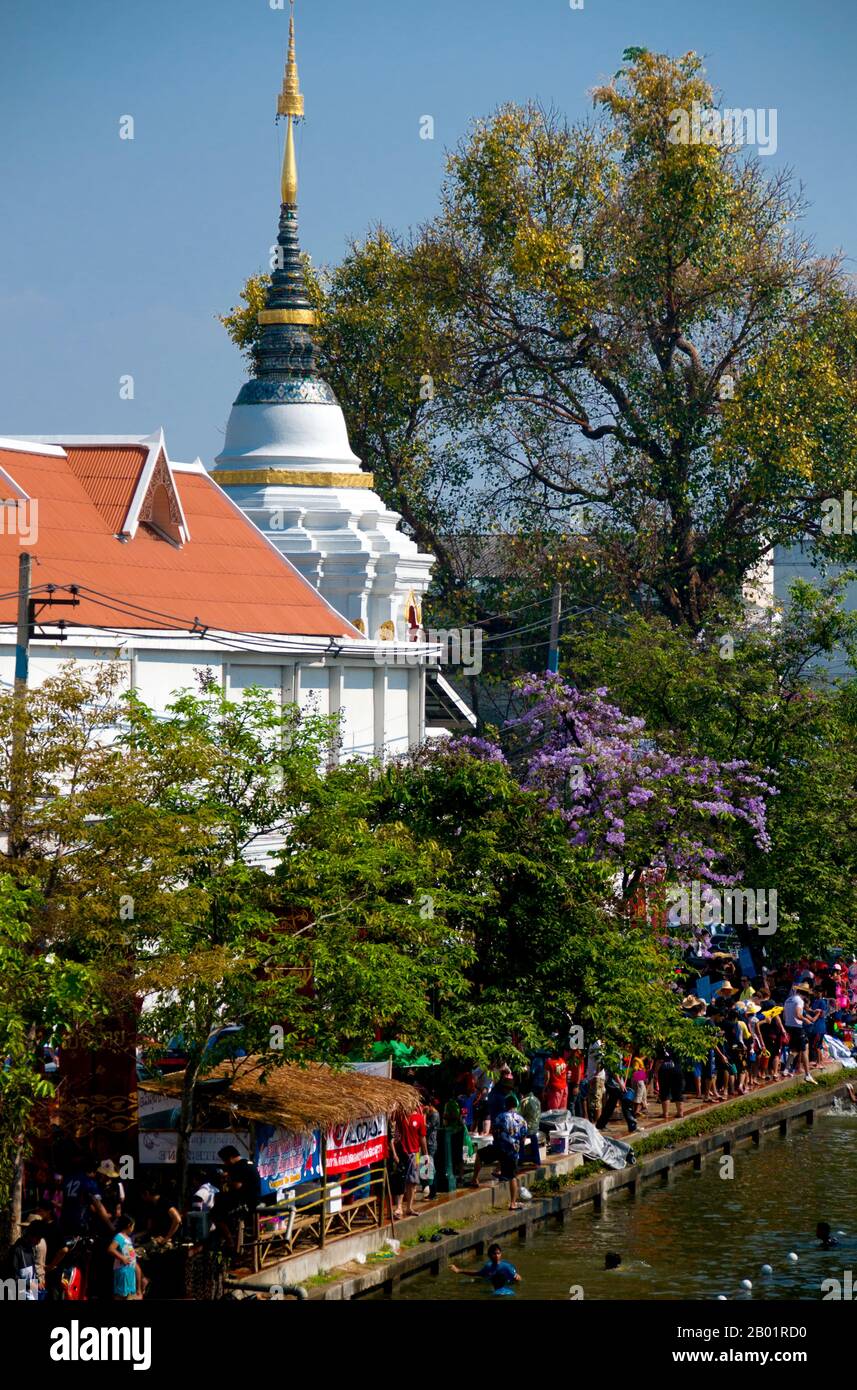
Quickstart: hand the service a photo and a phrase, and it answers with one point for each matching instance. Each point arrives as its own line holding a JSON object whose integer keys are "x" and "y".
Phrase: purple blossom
{"x": 617, "y": 789}
{"x": 481, "y": 748}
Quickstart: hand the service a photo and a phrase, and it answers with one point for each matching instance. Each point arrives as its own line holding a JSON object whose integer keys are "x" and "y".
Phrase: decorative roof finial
{"x": 285, "y": 366}
{"x": 290, "y": 103}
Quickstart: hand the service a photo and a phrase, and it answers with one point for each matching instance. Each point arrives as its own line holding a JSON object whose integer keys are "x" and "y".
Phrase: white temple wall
{"x": 358, "y": 709}
{"x": 397, "y": 711}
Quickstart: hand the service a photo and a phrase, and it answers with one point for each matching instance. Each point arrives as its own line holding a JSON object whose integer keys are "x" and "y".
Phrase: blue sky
{"x": 116, "y": 255}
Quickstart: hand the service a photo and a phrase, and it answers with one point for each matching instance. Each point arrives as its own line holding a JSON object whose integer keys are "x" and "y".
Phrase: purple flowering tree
{"x": 627, "y": 799}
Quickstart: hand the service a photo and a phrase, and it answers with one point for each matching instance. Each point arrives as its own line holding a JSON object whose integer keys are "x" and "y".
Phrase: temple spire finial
{"x": 286, "y": 349}
{"x": 290, "y": 104}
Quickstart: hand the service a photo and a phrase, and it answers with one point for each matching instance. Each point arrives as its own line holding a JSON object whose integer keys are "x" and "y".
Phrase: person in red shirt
{"x": 409, "y": 1144}
{"x": 555, "y": 1094}
{"x": 576, "y": 1069}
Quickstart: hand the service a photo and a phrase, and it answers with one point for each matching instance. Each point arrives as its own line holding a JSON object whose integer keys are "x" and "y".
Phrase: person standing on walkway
{"x": 615, "y": 1094}
{"x": 670, "y": 1081}
{"x": 432, "y": 1119}
{"x": 499, "y": 1094}
{"x": 510, "y": 1131}
{"x": 595, "y": 1080}
{"x": 818, "y": 1026}
{"x": 410, "y": 1144}
{"x": 531, "y": 1110}
{"x": 126, "y": 1275}
{"x": 555, "y": 1095}
{"x": 113, "y": 1198}
{"x": 794, "y": 1019}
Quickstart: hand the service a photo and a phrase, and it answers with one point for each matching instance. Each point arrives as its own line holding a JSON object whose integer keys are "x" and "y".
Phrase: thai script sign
{"x": 356, "y": 1145}
{"x": 285, "y": 1159}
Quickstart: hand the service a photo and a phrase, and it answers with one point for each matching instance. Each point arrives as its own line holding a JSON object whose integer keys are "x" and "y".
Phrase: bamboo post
{"x": 257, "y": 1224}
{"x": 389, "y": 1192}
{"x": 322, "y": 1229}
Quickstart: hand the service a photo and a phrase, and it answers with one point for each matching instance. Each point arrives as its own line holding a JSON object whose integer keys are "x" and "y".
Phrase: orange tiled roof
{"x": 226, "y": 575}
{"x": 109, "y": 477}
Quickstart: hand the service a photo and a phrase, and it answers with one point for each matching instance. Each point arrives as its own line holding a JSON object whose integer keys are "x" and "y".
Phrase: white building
{"x": 172, "y": 580}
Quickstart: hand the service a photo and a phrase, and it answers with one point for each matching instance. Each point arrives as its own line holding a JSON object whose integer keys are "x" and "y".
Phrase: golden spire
{"x": 290, "y": 103}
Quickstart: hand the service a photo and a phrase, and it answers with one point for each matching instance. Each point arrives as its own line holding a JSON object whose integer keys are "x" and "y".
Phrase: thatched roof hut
{"x": 298, "y": 1098}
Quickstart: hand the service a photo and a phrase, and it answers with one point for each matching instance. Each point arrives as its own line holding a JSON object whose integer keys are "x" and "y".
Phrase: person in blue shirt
{"x": 499, "y": 1272}
{"x": 818, "y": 1026}
{"x": 82, "y": 1207}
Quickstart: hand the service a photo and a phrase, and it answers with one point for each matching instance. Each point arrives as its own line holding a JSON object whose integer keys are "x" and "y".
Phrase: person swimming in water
{"x": 498, "y": 1271}
{"x": 828, "y": 1241}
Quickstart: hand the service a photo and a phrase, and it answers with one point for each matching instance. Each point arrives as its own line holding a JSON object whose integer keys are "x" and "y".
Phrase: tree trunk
{"x": 187, "y": 1116}
{"x": 11, "y": 1217}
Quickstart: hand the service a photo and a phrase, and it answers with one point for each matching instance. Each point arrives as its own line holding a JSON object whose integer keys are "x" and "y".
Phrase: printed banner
{"x": 155, "y": 1111}
{"x": 374, "y": 1068}
{"x": 285, "y": 1159}
{"x": 356, "y": 1145}
{"x": 160, "y": 1145}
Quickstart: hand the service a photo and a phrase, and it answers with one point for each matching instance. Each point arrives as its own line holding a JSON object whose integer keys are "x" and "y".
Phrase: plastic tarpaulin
{"x": 837, "y": 1050}
{"x": 584, "y": 1138}
{"x": 591, "y": 1143}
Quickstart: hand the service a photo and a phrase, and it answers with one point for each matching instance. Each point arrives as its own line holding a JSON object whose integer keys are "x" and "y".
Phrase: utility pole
{"x": 19, "y": 719}
{"x": 556, "y": 610}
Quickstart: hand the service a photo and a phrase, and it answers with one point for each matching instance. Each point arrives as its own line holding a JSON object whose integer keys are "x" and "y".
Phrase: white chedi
{"x": 302, "y": 485}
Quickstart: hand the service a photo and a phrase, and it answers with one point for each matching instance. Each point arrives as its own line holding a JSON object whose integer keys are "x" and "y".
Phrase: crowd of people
{"x": 761, "y": 1028}
{"x": 91, "y": 1236}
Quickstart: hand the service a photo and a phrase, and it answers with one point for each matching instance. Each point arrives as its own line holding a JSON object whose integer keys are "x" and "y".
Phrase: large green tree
{"x": 42, "y": 997}
{"x": 309, "y": 961}
{"x": 83, "y": 854}
{"x": 530, "y": 938}
{"x": 636, "y": 355}
{"x": 664, "y": 353}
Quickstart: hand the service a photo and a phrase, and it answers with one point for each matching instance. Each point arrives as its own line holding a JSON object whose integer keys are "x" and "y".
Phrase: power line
{"x": 226, "y": 636}
{"x": 531, "y": 627}
{"x": 494, "y": 617}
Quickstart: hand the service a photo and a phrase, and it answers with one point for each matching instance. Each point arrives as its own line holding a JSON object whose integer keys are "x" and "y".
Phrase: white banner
{"x": 160, "y": 1145}
{"x": 374, "y": 1068}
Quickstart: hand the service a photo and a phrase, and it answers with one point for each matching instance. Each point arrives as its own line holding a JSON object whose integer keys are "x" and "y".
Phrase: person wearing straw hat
{"x": 794, "y": 1020}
